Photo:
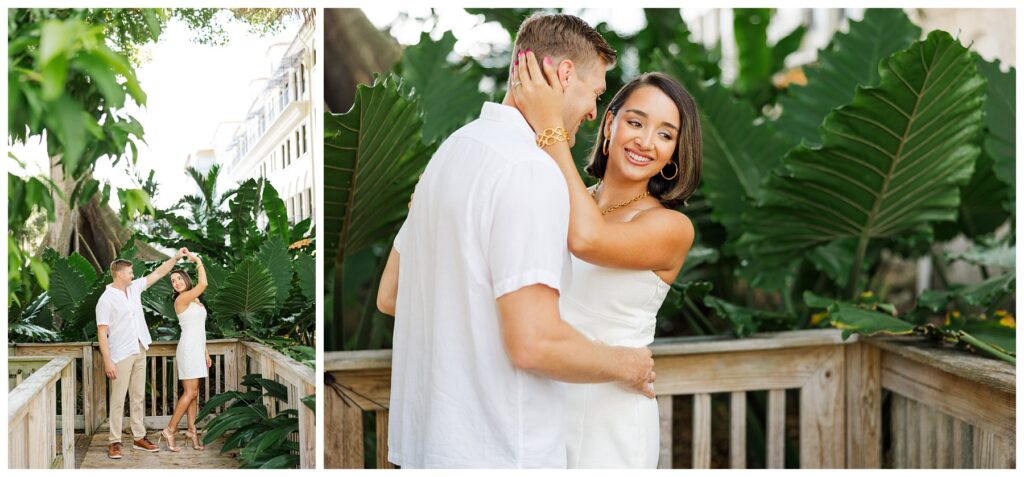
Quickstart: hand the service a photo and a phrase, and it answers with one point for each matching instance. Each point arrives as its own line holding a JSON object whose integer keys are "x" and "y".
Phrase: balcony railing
{"x": 83, "y": 376}
{"x": 943, "y": 408}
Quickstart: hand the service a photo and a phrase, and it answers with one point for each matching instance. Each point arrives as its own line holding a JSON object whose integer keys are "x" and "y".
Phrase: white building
{"x": 275, "y": 138}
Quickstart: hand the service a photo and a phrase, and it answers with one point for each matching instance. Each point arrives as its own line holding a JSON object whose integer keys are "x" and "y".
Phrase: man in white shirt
{"x": 124, "y": 339}
{"x": 474, "y": 279}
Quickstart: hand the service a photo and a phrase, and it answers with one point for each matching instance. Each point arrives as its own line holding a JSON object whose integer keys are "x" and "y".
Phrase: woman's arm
{"x": 187, "y": 296}
{"x": 387, "y": 292}
{"x": 654, "y": 240}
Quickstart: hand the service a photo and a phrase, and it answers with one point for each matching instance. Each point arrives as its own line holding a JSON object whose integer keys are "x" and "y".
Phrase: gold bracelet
{"x": 550, "y": 136}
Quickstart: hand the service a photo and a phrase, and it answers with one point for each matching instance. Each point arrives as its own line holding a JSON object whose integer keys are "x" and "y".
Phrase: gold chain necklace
{"x": 593, "y": 194}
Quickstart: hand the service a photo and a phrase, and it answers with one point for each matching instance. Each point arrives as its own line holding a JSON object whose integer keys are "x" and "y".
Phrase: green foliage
{"x": 759, "y": 61}
{"x": 892, "y": 145}
{"x": 262, "y": 441}
{"x": 449, "y": 94}
{"x": 889, "y": 163}
{"x": 851, "y": 59}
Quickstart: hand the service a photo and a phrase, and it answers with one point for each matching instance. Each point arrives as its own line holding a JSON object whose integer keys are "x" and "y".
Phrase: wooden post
{"x": 307, "y": 430}
{"x": 382, "y": 440}
{"x": 88, "y": 395}
{"x": 822, "y": 416}
{"x": 863, "y": 406}
{"x": 776, "y": 435}
{"x": 738, "y": 430}
{"x": 702, "y": 431}
{"x": 67, "y": 400}
{"x": 51, "y": 421}
{"x": 665, "y": 425}
{"x": 38, "y": 449}
{"x": 267, "y": 370}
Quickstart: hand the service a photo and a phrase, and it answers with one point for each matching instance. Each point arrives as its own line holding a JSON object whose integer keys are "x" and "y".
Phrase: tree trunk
{"x": 93, "y": 230}
{"x": 355, "y": 49}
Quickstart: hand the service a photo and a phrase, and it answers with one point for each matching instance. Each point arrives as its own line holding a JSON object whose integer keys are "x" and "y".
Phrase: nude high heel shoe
{"x": 194, "y": 436}
{"x": 170, "y": 440}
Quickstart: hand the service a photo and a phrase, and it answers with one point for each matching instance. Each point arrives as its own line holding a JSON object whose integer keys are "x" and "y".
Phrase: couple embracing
{"x": 124, "y": 338}
{"x": 523, "y": 301}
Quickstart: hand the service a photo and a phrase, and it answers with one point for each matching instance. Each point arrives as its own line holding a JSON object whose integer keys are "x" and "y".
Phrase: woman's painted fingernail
{"x": 547, "y": 61}
{"x": 521, "y": 53}
{"x": 515, "y": 63}
{"x": 528, "y": 50}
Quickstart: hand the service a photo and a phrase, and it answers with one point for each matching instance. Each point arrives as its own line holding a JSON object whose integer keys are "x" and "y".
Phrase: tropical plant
{"x": 262, "y": 441}
{"x": 892, "y": 147}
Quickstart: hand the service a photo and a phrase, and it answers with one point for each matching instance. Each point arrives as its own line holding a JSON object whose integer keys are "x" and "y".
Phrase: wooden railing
{"x": 300, "y": 380}
{"x": 32, "y": 417}
{"x": 232, "y": 359}
{"x": 839, "y": 388}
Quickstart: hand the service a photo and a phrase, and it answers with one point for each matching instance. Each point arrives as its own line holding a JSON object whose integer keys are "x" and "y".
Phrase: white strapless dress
{"x": 190, "y": 357}
{"x": 607, "y": 425}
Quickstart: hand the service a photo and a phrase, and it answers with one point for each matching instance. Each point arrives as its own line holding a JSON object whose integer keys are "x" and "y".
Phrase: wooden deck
{"x": 211, "y": 458}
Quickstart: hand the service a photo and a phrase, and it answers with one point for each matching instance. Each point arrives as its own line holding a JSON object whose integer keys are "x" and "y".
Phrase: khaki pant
{"x": 131, "y": 380}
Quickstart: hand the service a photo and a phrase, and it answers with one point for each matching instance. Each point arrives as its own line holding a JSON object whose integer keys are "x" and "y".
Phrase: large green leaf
{"x": 373, "y": 155}
{"x": 738, "y": 151}
{"x": 68, "y": 284}
{"x": 305, "y": 270}
{"x": 277, "y": 214}
{"x": 849, "y": 60}
{"x": 1001, "y": 124}
{"x": 274, "y": 255}
{"x": 981, "y": 209}
{"x": 248, "y": 290}
{"x": 450, "y": 96}
{"x": 853, "y": 319}
{"x": 891, "y": 161}
{"x": 242, "y": 228}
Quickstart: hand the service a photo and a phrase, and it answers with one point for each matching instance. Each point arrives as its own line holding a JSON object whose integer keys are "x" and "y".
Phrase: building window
{"x": 298, "y": 152}
{"x": 295, "y": 87}
{"x": 302, "y": 77}
{"x": 288, "y": 147}
{"x": 282, "y": 156}
{"x": 303, "y": 138}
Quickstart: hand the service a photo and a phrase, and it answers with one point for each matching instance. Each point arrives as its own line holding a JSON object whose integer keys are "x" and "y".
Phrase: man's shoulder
{"x": 494, "y": 139}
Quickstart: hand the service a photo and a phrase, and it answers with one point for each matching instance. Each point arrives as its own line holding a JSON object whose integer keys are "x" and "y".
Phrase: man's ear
{"x": 566, "y": 72}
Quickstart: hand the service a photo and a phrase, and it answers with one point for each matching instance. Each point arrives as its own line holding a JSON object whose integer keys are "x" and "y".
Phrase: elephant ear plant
{"x": 263, "y": 442}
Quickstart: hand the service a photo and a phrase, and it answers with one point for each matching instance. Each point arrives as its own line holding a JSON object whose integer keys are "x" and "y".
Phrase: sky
{"x": 191, "y": 88}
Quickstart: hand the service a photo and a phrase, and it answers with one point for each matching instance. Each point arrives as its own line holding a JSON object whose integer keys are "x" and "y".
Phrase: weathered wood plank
{"x": 776, "y": 433}
{"x": 863, "y": 383}
{"x": 992, "y": 451}
{"x": 188, "y": 458}
{"x": 738, "y": 430}
{"x": 913, "y": 435}
{"x": 944, "y": 442}
{"x": 382, "y": 440}
{"x": 963, "y": 445}
{"x": 993, "y": 373}
{"x": 728, "y": 372}
{"x": 823, "y": 416}
{"x": 665, "y": 432}
{"x": 927, "y": 417}
{"x": 39, "y": 449}
{"x": 950, "y": 394}
{"x": 702, "y": 431}
{"x": 307, "y": 430}
{"x": 370, "y": 390}
{"x": 67, "y": 426}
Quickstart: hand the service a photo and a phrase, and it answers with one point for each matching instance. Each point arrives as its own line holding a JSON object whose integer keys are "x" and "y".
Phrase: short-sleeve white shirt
{"x": 490, "y": 215}
{"x": 122, "y": 312}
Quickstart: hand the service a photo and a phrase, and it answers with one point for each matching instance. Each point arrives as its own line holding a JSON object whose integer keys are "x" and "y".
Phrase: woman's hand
{"x": 208, "y": 361}
{"x": 193, "y": 258}
{"x": 537, "y": 93}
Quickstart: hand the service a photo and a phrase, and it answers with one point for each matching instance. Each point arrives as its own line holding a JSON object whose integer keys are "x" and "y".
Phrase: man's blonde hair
{"x": 119, "y": 264}
{"x": 563, "y": 37}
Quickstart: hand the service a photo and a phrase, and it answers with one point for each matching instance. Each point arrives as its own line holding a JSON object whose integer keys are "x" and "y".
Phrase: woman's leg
{"x": 193, "y": 411}
{"x": 190, "y": 390}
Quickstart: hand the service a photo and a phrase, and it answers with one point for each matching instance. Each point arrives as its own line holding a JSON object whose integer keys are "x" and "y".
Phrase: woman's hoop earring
{"x": 673, "y": 175}
{"x": 604, "y": 146}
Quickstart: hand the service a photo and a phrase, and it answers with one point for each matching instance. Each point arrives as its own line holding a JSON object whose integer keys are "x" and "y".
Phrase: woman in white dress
{"x": 191, "y": 358}
{"x": 627, "y": 242}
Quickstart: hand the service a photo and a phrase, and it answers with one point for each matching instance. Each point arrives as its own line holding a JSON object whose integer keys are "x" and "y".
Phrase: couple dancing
{"x": 509, "y": 278}
{"x": 124, "y": 338}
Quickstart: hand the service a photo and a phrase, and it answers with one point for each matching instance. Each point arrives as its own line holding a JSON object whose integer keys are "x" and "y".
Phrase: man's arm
{"x": 387, "y": 292}
{"x": 164, "y": 268}
{"x": 108, "y": 364}
{"x": 537, "y": 340}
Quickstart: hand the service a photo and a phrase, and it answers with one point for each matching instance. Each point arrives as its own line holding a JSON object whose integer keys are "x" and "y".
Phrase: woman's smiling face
{"x": 178, "y": 283}
{"x": 644, "y": 135}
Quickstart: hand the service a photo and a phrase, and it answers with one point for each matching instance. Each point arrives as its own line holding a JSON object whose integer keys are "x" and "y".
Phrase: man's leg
{"x": 118, "y": 391}
{"x": 137, "y": 394}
